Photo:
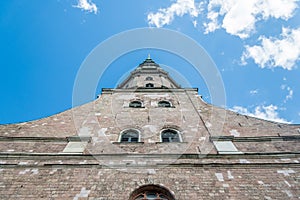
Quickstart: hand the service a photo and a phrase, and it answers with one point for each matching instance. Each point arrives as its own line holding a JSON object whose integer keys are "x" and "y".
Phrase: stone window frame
{"x": 137, "y": 100}
{"x": 171, "y": 130}
{"x": 159, "y": 192}
{"x": 149, "y": 85}
{"x": 165, "y": 101}
{"x": 149, "y": 78}
{"x": 123, "y": 132}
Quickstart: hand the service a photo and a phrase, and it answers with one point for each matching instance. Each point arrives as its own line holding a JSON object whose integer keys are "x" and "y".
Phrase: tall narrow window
{"x": 129, "y": 135}
{"x": 149, "y": 85}
{"x": 165, "y": 104}
{"x": 135, "y": 104}
{"x": 170, "y": 135}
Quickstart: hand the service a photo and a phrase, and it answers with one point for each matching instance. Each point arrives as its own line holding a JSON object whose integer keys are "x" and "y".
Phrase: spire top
{"x": 148, "y": 61}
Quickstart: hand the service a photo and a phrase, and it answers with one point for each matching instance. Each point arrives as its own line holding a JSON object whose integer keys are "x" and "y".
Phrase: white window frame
{"x": 127, "y": 130}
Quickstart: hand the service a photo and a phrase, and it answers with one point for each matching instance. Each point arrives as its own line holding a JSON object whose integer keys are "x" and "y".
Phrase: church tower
{"x": 149, "y": 139}
{"x": 149, "y": 75}
{"x": 153, "y": 113}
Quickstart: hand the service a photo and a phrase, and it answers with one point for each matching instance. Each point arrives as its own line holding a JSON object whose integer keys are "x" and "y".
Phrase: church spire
{"x": 148, "y": 75}
{"x": 148, "y": 62}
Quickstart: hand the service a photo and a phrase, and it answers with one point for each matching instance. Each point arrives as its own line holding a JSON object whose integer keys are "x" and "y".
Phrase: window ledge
{"x": 171, "y": 142}
{"x": 134, "y": 107}
{"x": 165, "y": 107}
{"x": 128, "y": 143}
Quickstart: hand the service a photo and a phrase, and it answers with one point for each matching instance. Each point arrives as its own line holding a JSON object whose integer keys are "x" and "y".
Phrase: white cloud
{"x": 263, "y": 112}
{"x": 289, "y": 90}
{"x": 238, "y": 17}
{"x": 165, "y": 16}
{"x": 283, "y": 87}
{"x": 289, "y": 95}
{"x": 195, "y": 23}
{"x": 87, "y": 5}
{"x": 273, "y": 52}
{"x": 253, "y": 92}
{"x": 240, "y": 109}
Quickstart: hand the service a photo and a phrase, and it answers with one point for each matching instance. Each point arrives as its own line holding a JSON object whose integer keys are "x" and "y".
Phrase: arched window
{"x": 149, "y": 85}
{"x": 129, "y": 135}
{"x": 151, "y": 195}
{"x": 149, "y": 78}
{"x": 165, "y": 104}
{"x": 135, "y": 104}
{"x": 151, "y": 192}
{"x": 170, "y": 135}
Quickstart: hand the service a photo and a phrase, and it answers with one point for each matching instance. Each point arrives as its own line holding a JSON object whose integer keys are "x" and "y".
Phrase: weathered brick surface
{"x": 32, "y": 147}
{"x": 111, "y": 114}
{"x": 273, "y": 146}
{"x": 186, "y": 183}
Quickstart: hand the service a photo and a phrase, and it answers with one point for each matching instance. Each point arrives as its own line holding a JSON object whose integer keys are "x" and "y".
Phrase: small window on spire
{"x": 149, "y": 78}
{"x": 165, "y": 104}
{"x": 149, "y": 85}
{"x": 136, "y": 104}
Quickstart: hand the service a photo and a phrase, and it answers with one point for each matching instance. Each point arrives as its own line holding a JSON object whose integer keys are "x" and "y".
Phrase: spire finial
{"x": 149, "y": 57}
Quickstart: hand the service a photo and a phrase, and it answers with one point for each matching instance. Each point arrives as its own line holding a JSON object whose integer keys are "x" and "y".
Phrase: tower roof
{"x": 148, "y": 62}
{"x": 148, "y": 74}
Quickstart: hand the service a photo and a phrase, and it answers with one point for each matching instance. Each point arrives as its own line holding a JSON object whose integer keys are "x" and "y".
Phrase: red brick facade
{"x": 216, "y": 153}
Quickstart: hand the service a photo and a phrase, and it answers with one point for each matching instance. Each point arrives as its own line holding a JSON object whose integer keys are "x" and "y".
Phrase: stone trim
{"x": 34, "y": 139}
{"x": 226, "y": 147}
{"x": 75, "y": 147}
{"x": 170, "y": 165}
{"x": 46, "y": 139}
{"x": 255, "y": 139}
{"x": 148, "y": 90}
{"x": 35, "y": 156}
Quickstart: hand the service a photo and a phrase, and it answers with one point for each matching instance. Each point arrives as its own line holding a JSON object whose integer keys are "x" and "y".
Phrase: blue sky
{"x": 255, "y": 45}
